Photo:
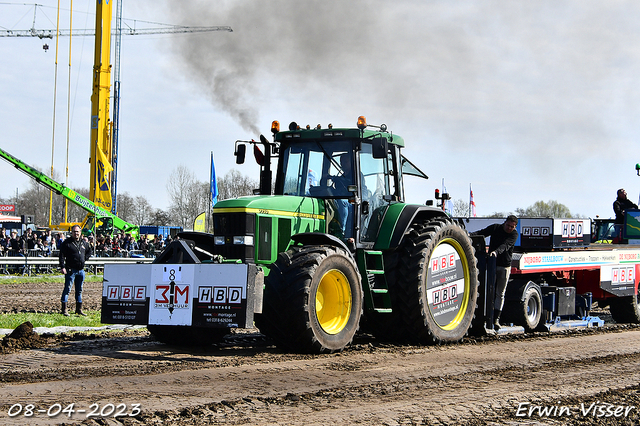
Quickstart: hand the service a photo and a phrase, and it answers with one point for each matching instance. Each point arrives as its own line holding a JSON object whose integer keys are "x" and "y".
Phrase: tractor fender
{"x": 516, "y": 289}
{"x": 318, "y": 238}
{"x": 398, "y": 218}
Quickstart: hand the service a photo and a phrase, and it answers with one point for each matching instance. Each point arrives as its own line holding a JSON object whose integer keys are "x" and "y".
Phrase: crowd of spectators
{"x": 46, "y": 243}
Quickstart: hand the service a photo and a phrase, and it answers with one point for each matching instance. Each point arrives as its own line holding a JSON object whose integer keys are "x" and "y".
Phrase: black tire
{"x": 625, "y": 309}
{"x": 312, "y": 300}
{"x": 530, "y": 310}
{"x": 436, "y": 301}
{"x": 187, "y": 336}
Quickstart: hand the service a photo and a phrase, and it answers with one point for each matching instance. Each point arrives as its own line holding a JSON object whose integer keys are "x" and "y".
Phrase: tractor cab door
{"x": 377, "y": 191}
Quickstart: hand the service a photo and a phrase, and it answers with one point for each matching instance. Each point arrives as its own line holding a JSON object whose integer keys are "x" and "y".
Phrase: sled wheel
{"x": 530, "y": 309}
{"x": 626, "y": 309}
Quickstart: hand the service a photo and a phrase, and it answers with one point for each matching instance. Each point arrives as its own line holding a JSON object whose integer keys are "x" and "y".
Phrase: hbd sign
{"x": 220, "y": 295}
{"x": 572, "y": 229}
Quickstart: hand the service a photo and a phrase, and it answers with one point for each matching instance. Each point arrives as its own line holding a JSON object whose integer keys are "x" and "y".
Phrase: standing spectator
{"x": 143, "y": 245}
{"x": 59, "y": 240}
{"x": 74, "y": 252}
{"x": 14, "y": 245}
{"x": 503, "y": 238}
{"x": 115, "y": 246}
{"x": 100, "y": 247}
{"x": 4, "y": 243}
{"x": 621, "y": 204}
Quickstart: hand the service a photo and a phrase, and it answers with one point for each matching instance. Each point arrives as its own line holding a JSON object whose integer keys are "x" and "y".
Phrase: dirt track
{"x": 247, "y": 381}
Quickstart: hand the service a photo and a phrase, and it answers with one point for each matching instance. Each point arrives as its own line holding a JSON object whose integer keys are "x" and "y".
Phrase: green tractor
{"x": 341, "y": 247}
{"x": 328, "y": 248}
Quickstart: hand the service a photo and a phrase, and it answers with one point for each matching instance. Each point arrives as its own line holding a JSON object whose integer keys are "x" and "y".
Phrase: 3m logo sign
{"x": 220, "y": 295}
{"x": 126, "y": 293}
{"x": 176, "y": 294}
{"x": 623, "y": 275}
{"x": 572, "y": 229}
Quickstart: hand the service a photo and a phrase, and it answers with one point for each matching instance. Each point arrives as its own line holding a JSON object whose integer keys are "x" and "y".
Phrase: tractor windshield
{"x": 317, "y": 169}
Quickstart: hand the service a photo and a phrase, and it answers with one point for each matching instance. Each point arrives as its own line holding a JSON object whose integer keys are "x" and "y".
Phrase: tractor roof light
{"x": 362, "y": 122}
{"x": 275, "y": 126}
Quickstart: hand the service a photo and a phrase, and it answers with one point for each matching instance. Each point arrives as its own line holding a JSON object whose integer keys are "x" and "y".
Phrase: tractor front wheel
{"x": 312, "y": 300}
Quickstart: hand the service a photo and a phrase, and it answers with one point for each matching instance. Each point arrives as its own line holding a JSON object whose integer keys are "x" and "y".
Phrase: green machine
{"x": 327, "y": 247}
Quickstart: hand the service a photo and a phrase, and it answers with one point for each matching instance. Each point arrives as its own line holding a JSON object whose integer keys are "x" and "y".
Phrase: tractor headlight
{"x": 243, "y": 239}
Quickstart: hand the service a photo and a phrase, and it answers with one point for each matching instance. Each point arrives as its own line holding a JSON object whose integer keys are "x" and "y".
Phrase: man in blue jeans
{"x": 74, "y": 252}
{"x": 503, "y": 238}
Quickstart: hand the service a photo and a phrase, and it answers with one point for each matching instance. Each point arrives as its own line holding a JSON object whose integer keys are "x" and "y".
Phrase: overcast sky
{"x": 524, "y": 100}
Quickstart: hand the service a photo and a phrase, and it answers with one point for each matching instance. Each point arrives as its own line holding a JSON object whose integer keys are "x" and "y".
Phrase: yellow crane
{"x": 103, "y": 152}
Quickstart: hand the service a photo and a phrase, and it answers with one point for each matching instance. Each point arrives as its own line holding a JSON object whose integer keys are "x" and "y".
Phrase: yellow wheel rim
{"x": 333, "y": 302}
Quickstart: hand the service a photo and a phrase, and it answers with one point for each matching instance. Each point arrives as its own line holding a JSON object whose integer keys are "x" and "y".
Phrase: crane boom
{"x": 173, "y": 29}
{"x": 93, "y": 210}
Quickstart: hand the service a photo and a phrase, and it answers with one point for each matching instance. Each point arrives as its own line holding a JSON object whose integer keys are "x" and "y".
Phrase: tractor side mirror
{"x": 241, "y": 150}
{"x": 379, "y": 147}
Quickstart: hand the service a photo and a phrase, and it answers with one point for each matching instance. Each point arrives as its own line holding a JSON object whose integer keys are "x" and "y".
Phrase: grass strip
{"x": 48, "y": 278}
{"x": 11, "y": 321}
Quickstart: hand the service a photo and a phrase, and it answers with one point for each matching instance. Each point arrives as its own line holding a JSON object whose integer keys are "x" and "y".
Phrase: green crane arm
{"x": 70, "y": 194}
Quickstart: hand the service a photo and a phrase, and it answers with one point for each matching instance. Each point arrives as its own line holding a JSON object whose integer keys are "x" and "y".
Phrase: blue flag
{"x": 214, "y": 183}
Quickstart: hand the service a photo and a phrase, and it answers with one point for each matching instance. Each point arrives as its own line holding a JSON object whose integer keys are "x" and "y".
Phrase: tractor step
{"x": 377, "y": 297}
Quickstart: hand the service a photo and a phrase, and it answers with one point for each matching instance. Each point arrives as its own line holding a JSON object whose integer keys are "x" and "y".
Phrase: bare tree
{"x": 143, "y": 210}
{"x": 126, "y": 206}
{"x": 234, "y": 185}
{"x": 186, "y": 195}
{"x": 159, "y": 217}
{"x": 460, "y": 208}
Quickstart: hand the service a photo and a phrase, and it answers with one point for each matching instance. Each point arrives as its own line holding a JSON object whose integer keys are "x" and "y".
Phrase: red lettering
{"x": 139, "y": 293}
{"x": 165, "y": 289}
{"x": 184, "y": 292}
{"x": 113, "y": 292}
{"x": 126, "y": 292}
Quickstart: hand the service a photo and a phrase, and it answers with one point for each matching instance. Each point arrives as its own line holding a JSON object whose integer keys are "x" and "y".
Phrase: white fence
{"x": 31, "y": 265}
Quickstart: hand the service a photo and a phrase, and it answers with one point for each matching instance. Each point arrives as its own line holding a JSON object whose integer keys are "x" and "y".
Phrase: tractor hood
{"x": 276, "y": 205}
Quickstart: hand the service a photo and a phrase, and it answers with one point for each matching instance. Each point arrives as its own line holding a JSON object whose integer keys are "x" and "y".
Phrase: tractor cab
{"x": 357, "y": 172}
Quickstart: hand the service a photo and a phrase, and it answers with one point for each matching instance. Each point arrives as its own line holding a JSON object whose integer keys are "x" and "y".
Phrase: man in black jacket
{"x": 74, "y": 252}
{"x": 503, "y": 238}
{"x": 621, "y": 204}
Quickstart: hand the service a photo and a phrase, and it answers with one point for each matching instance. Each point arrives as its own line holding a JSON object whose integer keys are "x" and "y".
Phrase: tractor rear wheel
{"x": 437, "y": 282}
{"x": 312, "y": 300}
{"x": 626, "y": 309}
{"x": 186, "y": 335}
